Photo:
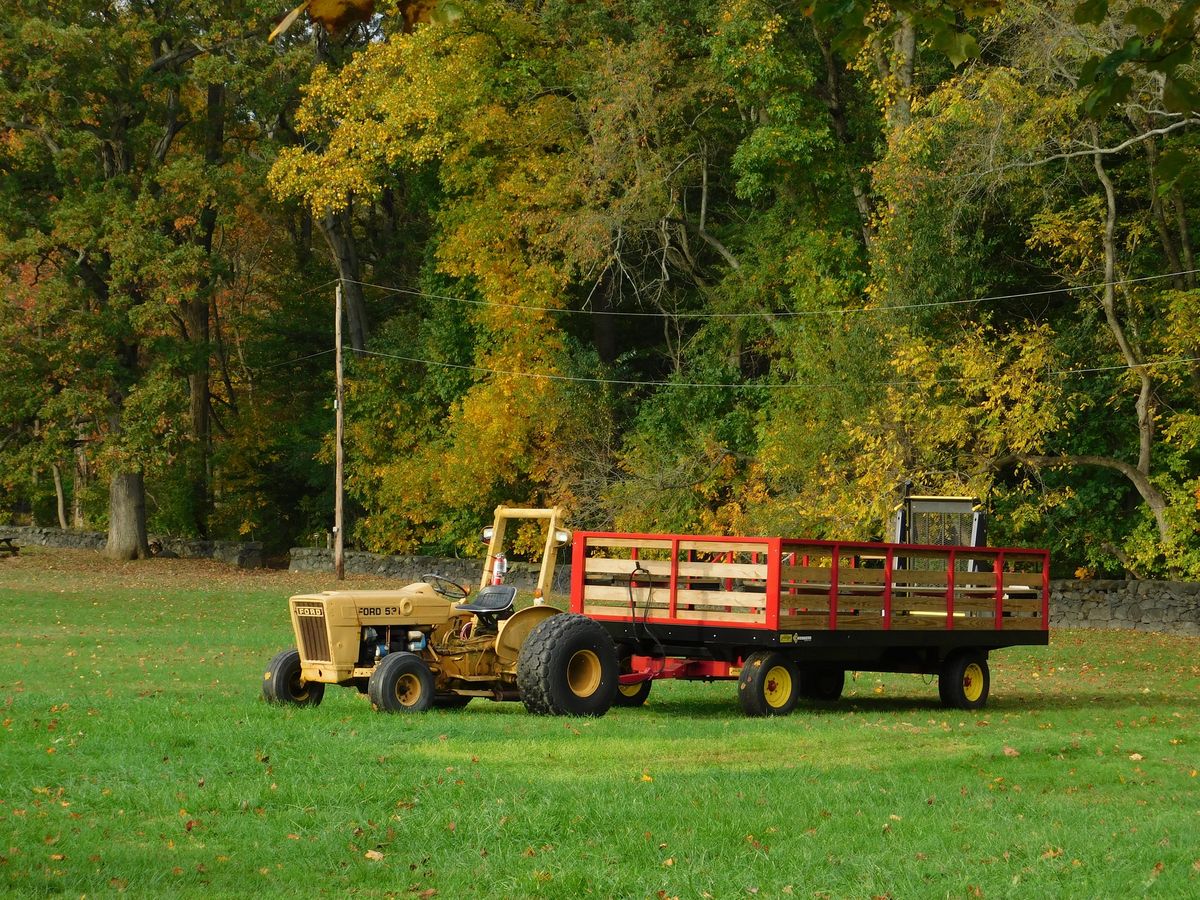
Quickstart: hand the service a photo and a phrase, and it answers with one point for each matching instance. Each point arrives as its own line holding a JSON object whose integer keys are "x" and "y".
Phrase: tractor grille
{"x": 314, "y": 638}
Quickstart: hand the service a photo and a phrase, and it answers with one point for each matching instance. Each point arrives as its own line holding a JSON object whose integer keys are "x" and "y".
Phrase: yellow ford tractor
{"x": 428, "y": 645}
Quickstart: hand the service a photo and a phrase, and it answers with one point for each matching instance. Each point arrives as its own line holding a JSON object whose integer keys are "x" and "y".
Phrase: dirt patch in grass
{"x": 36, "y": 564}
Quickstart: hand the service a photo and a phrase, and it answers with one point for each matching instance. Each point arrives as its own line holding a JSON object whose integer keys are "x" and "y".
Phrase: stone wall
{"x": 247, "y": 555}
{"x": 1169, "y": 606}
{"x": 411, "y": 568}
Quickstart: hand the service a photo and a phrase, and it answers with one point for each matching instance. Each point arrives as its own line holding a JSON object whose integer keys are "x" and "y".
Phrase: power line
{"x": 776, "y": 315}
{"x": 288, "y": 362}
{"x": 753, "y": 386}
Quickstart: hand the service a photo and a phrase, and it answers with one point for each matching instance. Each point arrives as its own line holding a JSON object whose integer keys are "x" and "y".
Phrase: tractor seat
{"x": 494, "y": 599}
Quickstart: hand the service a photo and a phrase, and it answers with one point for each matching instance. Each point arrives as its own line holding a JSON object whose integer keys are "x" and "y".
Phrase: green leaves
{"x": 1144, "y": 19}
{"x": 1091, "y": 12}
{"x": 1162, "y": 45}
{"x": 959, "y": 46}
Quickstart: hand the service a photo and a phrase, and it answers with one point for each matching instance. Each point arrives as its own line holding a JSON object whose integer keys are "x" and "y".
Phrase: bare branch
{"x": 1090, "y": 151}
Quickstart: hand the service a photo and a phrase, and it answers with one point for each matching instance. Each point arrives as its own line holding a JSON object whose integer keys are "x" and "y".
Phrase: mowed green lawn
{"x": 137, "y": 756}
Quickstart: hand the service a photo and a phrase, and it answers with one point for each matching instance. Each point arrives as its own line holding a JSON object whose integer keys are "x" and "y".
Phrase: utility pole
{"x": 339, "y": 560}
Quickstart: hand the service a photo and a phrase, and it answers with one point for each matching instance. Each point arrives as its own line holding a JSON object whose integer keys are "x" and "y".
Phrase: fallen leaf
{"x": 451, "y": 826}
{"x": 669, "y": 861}
{"x": 373, "y": 855}
{"x": 1136, "y": 757}
{"x": 1011, "y": 751}
{"x": 1052, "y": 853}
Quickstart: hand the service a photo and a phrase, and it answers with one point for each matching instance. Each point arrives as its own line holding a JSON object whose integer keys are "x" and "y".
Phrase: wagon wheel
{"x": 964, "y": 681}
{"x": 769, "y": 684}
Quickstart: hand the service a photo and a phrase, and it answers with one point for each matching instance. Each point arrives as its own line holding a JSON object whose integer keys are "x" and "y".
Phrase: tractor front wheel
{"x": 282, "y": 682}
{"x": 567, "y": 667}
{"x": 964, "y": 681}
{"x": 769, "y": 685}
{"x": 402, "y": 682}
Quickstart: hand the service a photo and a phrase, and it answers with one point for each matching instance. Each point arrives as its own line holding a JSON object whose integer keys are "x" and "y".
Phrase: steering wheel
{"x": 451, "y": 590}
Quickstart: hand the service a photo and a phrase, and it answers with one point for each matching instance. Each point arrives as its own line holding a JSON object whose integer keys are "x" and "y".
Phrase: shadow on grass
{"x": 719, "y": 707}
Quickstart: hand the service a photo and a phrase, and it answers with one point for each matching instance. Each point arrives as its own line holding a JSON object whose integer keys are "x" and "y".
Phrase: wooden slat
{"x": 804, "y": 621}
{"x": 723, "y": 570}
{"x": 918, "y": 604}
{"x": 641, "y": 543}
{"x": 1023, "y": 605}
{"x": 860, "y": 623}
{"x": 662, "y": 567}
{"x": 720, "y": 598}
{"x": 661, "y": 597}
{"x": 725, "y": 546}
{"x": 976, "y": 623}
{"x": 913, "y": 623}
{"x": 692, "y": 615}
{"x": 849, "y": 602}
{"x": 1021, "y": 623}
{"x": 918, "y": 576}
{"x": 861, "y": 576}
{"x": 626, "y": 566}
{"x": 974, "y": 604}
{"x": 1031, "y": 580}
{"x": 805, "y": 573}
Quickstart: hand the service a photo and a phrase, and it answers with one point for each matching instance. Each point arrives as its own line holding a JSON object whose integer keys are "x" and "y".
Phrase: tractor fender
{"x": 516, "y": 628}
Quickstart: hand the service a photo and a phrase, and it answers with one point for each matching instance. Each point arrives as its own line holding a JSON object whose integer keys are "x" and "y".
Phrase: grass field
{"x": 137, "y": 756}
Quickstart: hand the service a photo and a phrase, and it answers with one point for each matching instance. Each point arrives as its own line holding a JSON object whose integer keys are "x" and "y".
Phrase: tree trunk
{"x": 61, "y": 504}
{"x": 604, "y": 331}
{"x": 79, "y": 487}
{"x": 841, "y": 127}
{"x": 127, "y": 517}
{"x": 338, "y": 232}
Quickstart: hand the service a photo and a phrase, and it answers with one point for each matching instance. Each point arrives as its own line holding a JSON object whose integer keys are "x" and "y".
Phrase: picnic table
{"x": 7, "y": 547}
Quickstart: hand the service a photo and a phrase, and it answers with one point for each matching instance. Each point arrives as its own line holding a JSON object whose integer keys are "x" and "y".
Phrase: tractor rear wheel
{"x": 282, "y": 682}
{"x": 964, "y": 681}
{"x": 402, "y": 682}
{"x": 769, "y": 684}
{"x": 567, "y": 667}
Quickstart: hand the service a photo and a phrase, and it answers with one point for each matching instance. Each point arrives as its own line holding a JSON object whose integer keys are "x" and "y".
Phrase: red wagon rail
{"x": 781, "y": 584}
{"x": 701, "y": 607}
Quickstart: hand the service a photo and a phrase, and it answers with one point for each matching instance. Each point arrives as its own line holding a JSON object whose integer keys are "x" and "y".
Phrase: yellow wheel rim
{"x": 777, "y": 687}
{"x": 630, "y": 690}
{"x": 972, "y": 682}
{"x": 583, "y": 673}
{"x": 408, "y": 689}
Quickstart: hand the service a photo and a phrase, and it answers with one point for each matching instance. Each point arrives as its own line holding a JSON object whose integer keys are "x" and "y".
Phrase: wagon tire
{"x": 567, "y": 667}
{"x": 769, "y": 685}
{"x": 632, "y": 694}
{"x": 402, "y": 682}
{"x": 964, "y": 681}
{"x": 283, "y": 684}
{"x": 822, "y": 684}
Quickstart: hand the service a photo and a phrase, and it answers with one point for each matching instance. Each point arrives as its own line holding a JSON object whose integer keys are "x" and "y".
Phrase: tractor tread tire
{"x": 282, "y": 685}
{"x": 543, "y": 662}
